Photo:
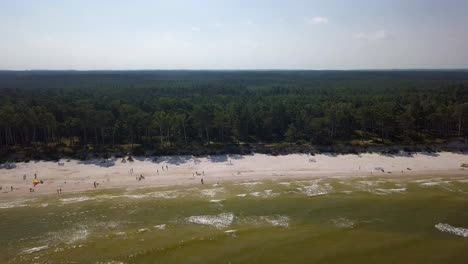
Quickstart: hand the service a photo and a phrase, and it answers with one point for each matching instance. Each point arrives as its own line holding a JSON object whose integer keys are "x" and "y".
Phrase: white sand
{"x": 76, "y": 176}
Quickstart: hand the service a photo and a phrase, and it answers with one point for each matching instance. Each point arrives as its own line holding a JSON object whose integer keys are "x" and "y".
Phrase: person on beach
{"x": 60, "y": 190}
{"x": 94, "y": 184}
{"x": 167, "y": 168}
{"x": 24, "y": 177}
{"x": 158, "y": 172}
{"x": 35, "y": 175}
{"x": 201, "y": 180}
{"x": 11, "y": 187}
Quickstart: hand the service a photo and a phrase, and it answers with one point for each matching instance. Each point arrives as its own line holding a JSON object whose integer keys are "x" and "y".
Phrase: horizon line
{"x": 249, "y": 69}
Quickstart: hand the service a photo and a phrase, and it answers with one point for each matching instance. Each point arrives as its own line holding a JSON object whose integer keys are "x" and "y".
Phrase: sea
{"x": 327, "y": 220}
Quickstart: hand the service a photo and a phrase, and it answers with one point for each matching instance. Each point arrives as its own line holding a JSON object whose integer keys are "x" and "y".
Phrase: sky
{"x": 225, "y": 34}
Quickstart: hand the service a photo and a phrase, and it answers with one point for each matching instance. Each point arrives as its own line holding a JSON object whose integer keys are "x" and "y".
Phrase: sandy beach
{"x": 78, "y": 176}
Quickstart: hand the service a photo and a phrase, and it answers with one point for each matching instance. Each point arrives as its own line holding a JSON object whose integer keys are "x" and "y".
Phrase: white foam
{"x": 264, "y": 194}
{"x": 212, "y": 192}
{"x": 315, "y": 189}
{"x": 284, "y": 183}
{"x": 459, "y": 231}
{"x": 35, "y": 249}
{"x": 12, "y": 205}
{"x": 276, "y": 220}
{"x": 430, "y": 183}
{"x": 343, "y": 222}
{"x": 216, "y": 201}
{"x": 231, "y": 232}
{"x": 389, "y": 191}
{"x": 242, "y": 195}
{"x": 370, "y": 183}
{"x": 106, "y": 196}
{"x": 76, "y": 199}
{"x": 135, "y": 196}
{"x": 219, "y": 221}
{"x": 78, "y": 235}
{"x": 165, "y": 194}
{"x": 141, "y": 230}
{"x": 160, "y": 227}
{"x": 250, "y": 184}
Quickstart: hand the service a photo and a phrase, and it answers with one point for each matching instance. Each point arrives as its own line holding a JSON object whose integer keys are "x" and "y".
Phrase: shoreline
{"x": 75, "y": 176}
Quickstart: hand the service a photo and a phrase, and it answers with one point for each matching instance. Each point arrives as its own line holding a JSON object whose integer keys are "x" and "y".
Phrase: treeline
{"x": 158, "y": 109}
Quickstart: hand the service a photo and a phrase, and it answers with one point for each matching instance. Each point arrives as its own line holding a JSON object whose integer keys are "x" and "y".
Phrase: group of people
{"x": 11, "y": 188}
{"x": 198, "y": 174}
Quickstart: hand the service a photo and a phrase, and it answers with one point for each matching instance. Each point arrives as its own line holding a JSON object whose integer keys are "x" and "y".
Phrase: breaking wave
{"x": 459, "y": 231}
{"x": 12, "y": 205}
{"x": 315, "y": 189}
{"x": 343, "y": 222}
{"x": 76, "y": 199}
{"x": 219, "y": 221}
{"x": 35, "y": 249}
{"x": 274, "y": 220}
{"x": 389, "y": 191}
{"x": 212, "y": 192}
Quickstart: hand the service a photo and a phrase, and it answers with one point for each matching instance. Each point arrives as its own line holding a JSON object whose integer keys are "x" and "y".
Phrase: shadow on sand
{"x": 174, "y": 160}
{"x": 99, "y": 162}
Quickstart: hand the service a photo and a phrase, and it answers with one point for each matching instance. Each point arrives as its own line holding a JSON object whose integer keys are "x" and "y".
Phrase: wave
{"x": 212, "y": 192}
{"x": 459, "y": 231}
{"x": 277, "y": 220}
{"x": 343, "y": 222}
{"x": 12, "y": 205}
{"x": 160, "y": 227}
{"x": 76, "y": 199}
{"x": 315, "y": 189}
{"x": 274, "y": 220}
{"x": 35, "y": 249}
{"x": 249, "y": 184}
{"x": 389, "y": 191}
{"x": 264, "y": 194}
{"x": 219, "y": 221}
{"x": 231, "y": 232}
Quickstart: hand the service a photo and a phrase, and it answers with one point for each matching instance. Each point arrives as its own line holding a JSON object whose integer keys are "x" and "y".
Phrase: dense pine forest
{"x": 179, "y": 111}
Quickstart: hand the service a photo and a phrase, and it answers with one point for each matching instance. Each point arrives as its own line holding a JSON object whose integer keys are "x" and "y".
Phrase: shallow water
{"x": 334, "y": 220}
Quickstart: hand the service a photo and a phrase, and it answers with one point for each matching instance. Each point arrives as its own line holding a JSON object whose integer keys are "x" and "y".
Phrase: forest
{"x": 104, "y": 111}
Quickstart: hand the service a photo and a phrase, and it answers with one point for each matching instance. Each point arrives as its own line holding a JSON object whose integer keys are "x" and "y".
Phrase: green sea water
{"x": 333, "y": 220}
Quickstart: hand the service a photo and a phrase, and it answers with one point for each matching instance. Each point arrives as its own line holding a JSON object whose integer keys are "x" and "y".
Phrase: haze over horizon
{"x": 220, "y": 35}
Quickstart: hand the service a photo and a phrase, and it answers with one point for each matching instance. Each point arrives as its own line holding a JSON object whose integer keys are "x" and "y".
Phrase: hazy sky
{"x": 217, "y": 34}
